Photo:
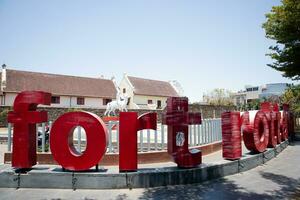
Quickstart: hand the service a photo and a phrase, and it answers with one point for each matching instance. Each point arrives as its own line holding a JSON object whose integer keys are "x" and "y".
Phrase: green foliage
{"x": 283, "y": 25}
{"x": 292, "y": 97}
{"x": 3, "y": 116}
{"x": 73, "y": 109}
{"x": 253, "y": 105}
{"x": 219, "y": 97}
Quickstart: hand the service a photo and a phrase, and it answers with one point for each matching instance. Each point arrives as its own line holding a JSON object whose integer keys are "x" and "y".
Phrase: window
{"x": 106, "y": 101}
{"x": 150, "y": 101}
{"x": 80, "y": 101}
{"x": 124, "y": 90}
{"x": 158, "y": 104}
{"x": 55, "y": 99}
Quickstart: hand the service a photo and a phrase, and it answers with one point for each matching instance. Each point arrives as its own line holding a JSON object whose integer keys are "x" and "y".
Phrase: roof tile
{"x": 18, "y": 81}
{"x": 152, "y": 87}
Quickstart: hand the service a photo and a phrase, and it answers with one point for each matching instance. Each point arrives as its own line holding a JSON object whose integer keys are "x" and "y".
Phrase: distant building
{"x": 146, "y": 93}
{"x": 259, "y": 92}
{"x": 67, "y": 91}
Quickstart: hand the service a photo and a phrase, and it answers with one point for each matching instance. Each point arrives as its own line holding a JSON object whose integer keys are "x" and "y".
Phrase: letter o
{"x": 256, "y": 135}
{"x": 61, "y": 136}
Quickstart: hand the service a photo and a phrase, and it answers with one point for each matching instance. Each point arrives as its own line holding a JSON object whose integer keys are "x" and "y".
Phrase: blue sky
{"x": 202, "y": 44}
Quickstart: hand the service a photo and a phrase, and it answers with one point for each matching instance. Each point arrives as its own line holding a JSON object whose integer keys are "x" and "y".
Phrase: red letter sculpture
{"x": 24, "y": 117}
{"x": 178, "y": 118}
{"x": 267, "y": 108}
{"x": 285, "y": 122}
{"x": 256, "y": 133}
{"x": 231, "y": 133}
{"x": 61, "y": 140}
{"x": 129, "y": 125}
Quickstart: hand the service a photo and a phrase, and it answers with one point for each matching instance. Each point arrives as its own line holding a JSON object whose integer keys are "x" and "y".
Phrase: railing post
{"x": 117, "y": 136}
{"x": 190, "y": 136}
{"x": 43, "y": 136}
{"x": 141, "y": 141}
{"x": 79, "y": 138}
{"x": 155, "y": 140}
{"x": 202, "y": 132}
{"x": 195, "y": 134}
{"x": 110, "y": 149}
{"x": 50, "y": 127}
{"x": 198, "y": 131}
{"x": 148, "y": 140}
{"x": 162, "y": 136}
{"x": 9, "y": 137}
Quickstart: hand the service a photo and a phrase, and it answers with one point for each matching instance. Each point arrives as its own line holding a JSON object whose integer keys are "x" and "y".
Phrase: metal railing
{"x": 148, "y": 140}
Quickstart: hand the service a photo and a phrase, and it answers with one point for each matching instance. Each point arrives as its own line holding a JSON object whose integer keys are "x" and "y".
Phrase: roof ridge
{"x": 148, "y": 79}
{"x": 53, "y": 74}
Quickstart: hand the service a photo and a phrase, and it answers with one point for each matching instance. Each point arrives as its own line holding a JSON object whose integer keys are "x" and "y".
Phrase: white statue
{"x": 119, "y": 104}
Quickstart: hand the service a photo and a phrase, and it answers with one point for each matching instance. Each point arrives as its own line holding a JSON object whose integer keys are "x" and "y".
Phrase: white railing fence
{"x": 148, "y": 140}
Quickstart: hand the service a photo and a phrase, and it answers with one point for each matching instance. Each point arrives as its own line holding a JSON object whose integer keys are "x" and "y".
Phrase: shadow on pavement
{"x": 226, "y": 189}
{"x": 219, "y": 189}
{"x": 289, "y": 186}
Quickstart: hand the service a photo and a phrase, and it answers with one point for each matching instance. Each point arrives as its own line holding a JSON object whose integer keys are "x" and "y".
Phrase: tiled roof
{"x": 152, "y": 87}
{"x": 18, "y": 81}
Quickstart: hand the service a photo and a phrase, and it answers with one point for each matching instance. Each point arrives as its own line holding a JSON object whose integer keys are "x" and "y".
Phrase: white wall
{"x": 10, "y": 98}
{"x": 143, "y": 100}
{"x": 65, "y": 102}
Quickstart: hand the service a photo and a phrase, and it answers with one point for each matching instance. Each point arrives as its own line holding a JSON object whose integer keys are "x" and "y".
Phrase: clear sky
{"x": 202, "y": 44}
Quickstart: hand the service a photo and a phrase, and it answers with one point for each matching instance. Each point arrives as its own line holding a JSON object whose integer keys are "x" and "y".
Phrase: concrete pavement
{"x": 277, "y": 179}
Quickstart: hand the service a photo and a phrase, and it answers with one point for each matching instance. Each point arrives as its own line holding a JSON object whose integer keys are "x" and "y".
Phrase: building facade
{"x": 272, "y": 90}
{"x": 67, "y": 91}
{"x": 146, "y": 93}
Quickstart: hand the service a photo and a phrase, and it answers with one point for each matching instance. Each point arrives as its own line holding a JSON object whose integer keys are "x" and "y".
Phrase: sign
{"x": 64, "y": 153}
{"x": 260, "y": 129}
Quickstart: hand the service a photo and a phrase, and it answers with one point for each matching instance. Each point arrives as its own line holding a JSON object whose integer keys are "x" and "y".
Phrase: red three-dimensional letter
{"x": 61, "y": 140}
{"x": 231, "y": 135}
{"x": 178, "y": 118}
{"x": 284, "y": 124}
{"x": 267, "y": 108}
{"x": 24, "y": 117}
{"x": 256, "y": 133}
{"x": 130, "y": 123}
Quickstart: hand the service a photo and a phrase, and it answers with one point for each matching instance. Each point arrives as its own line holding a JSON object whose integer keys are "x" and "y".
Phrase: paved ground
{"x": 278, "y": 179}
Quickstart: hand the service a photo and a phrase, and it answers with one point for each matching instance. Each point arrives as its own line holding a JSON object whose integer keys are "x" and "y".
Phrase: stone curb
{"x": 144, "y": 178}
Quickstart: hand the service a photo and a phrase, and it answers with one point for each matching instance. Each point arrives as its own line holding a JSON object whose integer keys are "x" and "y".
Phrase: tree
{"x": 283, "y": 25}
{"x": 292, "y": 97}
{"x": 219, "y": 97}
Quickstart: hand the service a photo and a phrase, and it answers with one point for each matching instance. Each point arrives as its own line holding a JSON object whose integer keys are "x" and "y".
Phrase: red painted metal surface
{"x": 231, "y": 134}
{"x": 61, "y": 140}
{"x": 24, "y": 117}
{"x": 284, "y": 124}
{"x": 128, "y": 141}
{"x": 267, "y": 108}
{"x": 277, "y": 120}
{"x": 130, "y": 124}
{"x": 178, "y": 118}
{"x": 256, "y": 134}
